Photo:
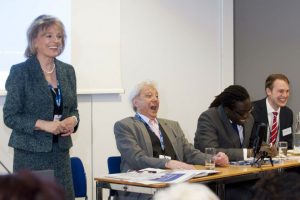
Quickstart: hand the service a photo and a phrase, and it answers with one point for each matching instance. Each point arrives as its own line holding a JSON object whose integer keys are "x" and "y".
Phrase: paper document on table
{"x": 202, "y": 173}
{"x": 152, "y": 176}
{"x": 138, "y": 175}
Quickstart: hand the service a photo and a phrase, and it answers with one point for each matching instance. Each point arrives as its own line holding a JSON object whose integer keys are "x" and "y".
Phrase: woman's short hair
{"x": 41, "y": 23}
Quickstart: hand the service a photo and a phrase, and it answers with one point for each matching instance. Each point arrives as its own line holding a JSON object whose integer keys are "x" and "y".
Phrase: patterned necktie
{"x": 274, "y": 129}
{"x": 154, "y": 127}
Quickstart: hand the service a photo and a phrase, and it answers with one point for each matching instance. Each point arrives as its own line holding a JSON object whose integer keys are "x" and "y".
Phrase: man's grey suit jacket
{"x": 29, "y": 99}
{"x": 134, "y": 144}
{"x": 215, "y": 130}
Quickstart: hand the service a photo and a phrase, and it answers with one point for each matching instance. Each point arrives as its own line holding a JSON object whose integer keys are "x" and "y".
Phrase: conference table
{"x": 227, "y": 175}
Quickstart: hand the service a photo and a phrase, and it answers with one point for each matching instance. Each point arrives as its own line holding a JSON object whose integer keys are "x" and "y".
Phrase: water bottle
{"x": 297, "y": 135}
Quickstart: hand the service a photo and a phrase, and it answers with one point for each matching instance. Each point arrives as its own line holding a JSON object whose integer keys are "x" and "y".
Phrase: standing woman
{"x": 41, "y": 104}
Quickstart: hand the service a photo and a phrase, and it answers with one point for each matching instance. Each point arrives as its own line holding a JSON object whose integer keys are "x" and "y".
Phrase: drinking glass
{"x": 297, "y": 142}
{"x": 282, "y": 150}
{"x": 209, "y": 158}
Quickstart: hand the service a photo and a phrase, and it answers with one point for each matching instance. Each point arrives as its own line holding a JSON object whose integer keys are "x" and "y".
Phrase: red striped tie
{"x": 274, "y": 129}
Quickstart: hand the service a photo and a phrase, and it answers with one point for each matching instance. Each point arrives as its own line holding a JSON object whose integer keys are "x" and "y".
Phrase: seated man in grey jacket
{"x": 227, "y": 124}
{"x": 147, "y": 141}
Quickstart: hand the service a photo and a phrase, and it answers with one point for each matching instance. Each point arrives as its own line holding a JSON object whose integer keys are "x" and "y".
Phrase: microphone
{"x": 261, "y": 130}
{"x": 7, "y": 170}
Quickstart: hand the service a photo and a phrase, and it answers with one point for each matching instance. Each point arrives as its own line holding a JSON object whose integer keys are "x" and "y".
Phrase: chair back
{"x": 79, "y": 178}
{"x": 113, "y": 164}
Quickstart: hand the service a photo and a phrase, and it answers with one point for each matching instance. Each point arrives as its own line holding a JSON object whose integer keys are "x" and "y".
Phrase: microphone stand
{"x": 7, "y": 170}
{"x": 259, "y": 135}
{"x": 261, "y": 159}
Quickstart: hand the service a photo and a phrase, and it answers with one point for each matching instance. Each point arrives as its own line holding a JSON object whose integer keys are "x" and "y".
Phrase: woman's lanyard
{"x": 57, "y": 94}
{"x": 161, "y": 138}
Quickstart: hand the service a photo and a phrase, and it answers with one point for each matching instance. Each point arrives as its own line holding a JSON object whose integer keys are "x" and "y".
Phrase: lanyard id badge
{"x": 57, "y": 117}
{"x": 164, "y": 157}
{"x": 57, "y": 94}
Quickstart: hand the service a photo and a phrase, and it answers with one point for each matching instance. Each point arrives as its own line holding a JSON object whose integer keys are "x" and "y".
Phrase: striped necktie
{"x": 274, "y": 130}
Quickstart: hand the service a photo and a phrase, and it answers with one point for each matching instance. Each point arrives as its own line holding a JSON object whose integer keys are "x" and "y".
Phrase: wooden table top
{"x": 225, "y": 172}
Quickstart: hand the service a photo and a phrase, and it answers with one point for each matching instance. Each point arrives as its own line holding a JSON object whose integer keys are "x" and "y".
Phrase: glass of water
{"x": 282, "y": 150}
{"x": 210, "y": 158}
{"x": 297, "y": 136}
{"x": 297, "y": 142}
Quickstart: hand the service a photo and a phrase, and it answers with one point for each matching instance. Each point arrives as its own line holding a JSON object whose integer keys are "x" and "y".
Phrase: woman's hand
{"x": 68, "y": 125}
{"x": 53, "y": 127}
{"x": 64, "y": 127}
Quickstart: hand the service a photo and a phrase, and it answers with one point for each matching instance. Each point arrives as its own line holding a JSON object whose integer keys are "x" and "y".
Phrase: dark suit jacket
{"x": 214, "y": 130}
{"x": 29, "y": 99}
{"x": 286, "y": 120}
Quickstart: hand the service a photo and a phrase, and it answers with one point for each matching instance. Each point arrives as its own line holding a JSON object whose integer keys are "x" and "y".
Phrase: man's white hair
{"x": 186, "y": 191}
{"x": 137, "y": 90}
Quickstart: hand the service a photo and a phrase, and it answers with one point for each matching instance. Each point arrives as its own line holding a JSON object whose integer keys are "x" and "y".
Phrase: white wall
{"x": 184, "y": 45}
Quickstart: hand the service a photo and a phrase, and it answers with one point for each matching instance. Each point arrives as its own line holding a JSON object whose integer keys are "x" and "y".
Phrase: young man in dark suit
{"x": 273, "y": 111}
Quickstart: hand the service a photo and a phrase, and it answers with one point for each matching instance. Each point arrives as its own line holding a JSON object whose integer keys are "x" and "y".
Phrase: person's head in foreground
{"x": 278, "y": 186}
{"x": 28, "y": 186}
{"x": 186, "y": 191}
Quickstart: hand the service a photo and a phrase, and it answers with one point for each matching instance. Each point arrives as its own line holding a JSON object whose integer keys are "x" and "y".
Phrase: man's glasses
{"x": 243, "y": 113}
